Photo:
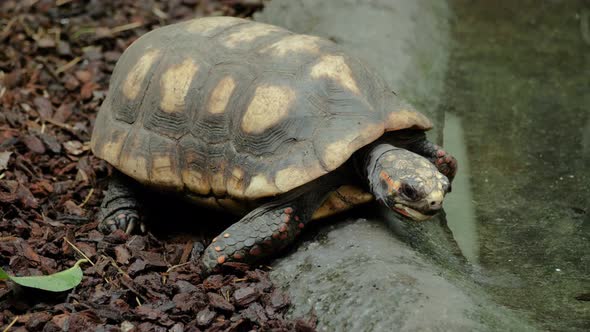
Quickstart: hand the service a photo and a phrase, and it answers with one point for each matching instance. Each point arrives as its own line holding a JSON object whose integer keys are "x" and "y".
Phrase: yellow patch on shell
{"x": 334, "y": 67}
{"x": 293, "y": 176}
{"x": 112, "y": 149}
{"x": 136, "y": 75}
{"x": 175, "y": 83}
{"x": 134, "y": 166}
{"x": 108, "y": 144}
{"x": 268, "y": 107}
{"x": 195, "y": 181}
{"x": 163, "y": 172}
{"x": 205, "y": 26}
{"x": 336, "y": 153}
{"x": 404, "y": 119}
{"x": 260, "y": 186}
{"x": 345, "y": 198}
{"x": 294, "y": 44}
{"x": 131, "y": 159}
{"x": 221, "y": 94}
{"x": 248, "y": 33}
{"x": 235, "y": 183}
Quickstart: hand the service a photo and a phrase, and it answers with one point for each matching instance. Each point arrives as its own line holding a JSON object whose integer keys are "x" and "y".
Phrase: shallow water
{"x": 517, "y": 106}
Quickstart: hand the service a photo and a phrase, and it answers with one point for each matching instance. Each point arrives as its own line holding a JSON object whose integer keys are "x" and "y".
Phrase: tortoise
{"x": 276, "y": 127}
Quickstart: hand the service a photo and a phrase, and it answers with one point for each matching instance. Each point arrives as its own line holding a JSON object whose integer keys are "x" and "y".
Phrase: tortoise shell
{"x": 227, "y": 108}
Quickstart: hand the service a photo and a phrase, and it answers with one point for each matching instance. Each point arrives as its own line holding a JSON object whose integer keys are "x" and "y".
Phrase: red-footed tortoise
{"x": 277, "y": 127}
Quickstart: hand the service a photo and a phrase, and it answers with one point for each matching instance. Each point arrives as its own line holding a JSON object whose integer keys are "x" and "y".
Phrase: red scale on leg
{"x": 289, "y": 210}
{"x": 283, "y": 228}
{"x": 256, "y": 250}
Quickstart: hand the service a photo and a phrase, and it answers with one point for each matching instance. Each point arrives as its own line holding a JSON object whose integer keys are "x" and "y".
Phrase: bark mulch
{"x": 55, "y": 62}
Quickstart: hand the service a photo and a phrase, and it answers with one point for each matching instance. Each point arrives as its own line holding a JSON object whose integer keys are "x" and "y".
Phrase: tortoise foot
{"x": 445, "y": 163}
{"x": 127, "y": 220}
{"x": 120, "y": 208}
{"x": 258, "y": 235}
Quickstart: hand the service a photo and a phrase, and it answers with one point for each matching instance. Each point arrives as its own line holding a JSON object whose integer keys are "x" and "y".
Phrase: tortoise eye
{"x": 409, "y": 192}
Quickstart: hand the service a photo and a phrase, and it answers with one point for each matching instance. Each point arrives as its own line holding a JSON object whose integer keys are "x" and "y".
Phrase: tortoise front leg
{"x": 264, "y": 231}
{"x": 445, "y": 163}
{"x": 120, "y": 206}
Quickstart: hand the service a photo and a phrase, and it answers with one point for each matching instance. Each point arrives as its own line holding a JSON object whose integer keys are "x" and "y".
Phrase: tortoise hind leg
{"x": 120, "y": 206}
{"x": 265, "y": 230}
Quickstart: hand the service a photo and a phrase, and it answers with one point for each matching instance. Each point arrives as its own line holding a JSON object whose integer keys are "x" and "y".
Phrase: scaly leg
{"x": 265, "y": 230}
{"x": 120, "y": 207}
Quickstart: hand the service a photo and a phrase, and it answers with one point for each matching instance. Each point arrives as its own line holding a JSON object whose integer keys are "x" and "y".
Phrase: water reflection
{"x": 459, "y": 206}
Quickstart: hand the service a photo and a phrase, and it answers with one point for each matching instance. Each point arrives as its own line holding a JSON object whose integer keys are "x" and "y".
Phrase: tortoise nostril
{"x": 435, "y": 205}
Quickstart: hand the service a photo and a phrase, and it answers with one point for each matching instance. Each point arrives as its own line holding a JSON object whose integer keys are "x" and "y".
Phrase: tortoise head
{"x": 406, "y": 182}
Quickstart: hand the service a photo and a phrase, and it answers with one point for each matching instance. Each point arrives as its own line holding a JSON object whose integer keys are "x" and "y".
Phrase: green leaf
{"x": 57, "y": 282}
{"x": 3, "y": 275}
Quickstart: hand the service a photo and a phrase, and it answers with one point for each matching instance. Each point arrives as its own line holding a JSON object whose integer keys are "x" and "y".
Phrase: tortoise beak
{"x": 412, "y": 214}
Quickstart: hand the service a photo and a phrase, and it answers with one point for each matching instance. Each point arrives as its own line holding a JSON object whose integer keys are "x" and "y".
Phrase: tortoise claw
{"x": 107, "y": 226}
{"x": 131, "y": 225}
{"x": 125, "y": 220}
